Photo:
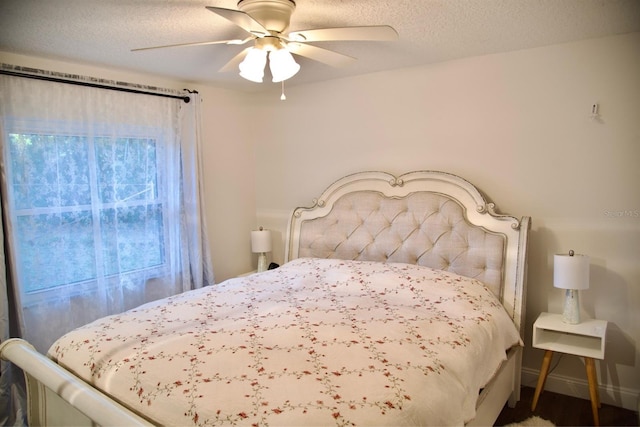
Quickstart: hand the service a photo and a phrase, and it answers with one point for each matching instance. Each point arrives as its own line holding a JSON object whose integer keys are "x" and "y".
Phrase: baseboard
{"x": 611, "y": 395}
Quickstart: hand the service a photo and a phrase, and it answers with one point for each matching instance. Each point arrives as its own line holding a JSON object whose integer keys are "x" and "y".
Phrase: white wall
{"x": 517, "y": 125}
{"x": 229, "y": 168}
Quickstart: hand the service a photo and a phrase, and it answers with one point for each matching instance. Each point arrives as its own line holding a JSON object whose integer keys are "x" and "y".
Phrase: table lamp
{"x": 571, "y": 272}
{"x": 261, "y": 244}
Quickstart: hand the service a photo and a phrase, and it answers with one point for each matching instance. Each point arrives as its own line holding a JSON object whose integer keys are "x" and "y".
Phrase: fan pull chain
{"x": 283, "y": 97}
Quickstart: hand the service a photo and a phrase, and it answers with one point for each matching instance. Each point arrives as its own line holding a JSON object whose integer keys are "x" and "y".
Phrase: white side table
{"x": 586, "y": 339}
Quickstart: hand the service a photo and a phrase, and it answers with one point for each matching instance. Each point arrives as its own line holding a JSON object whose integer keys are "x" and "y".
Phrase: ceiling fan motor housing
{"x": 274, "y": 15}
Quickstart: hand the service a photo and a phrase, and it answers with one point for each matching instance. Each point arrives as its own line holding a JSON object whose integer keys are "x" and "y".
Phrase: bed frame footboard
{"x": 57, "y": 397}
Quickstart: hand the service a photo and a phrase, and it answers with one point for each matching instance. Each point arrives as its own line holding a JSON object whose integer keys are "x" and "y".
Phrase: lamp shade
{"x": 571, "y": 271}
{"x": 282, "y": 65}
{"x": 261, "y": 241}
{"x": 252, "y": 68}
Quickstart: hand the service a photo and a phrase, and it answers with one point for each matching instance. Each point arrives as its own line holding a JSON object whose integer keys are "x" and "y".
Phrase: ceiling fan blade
{"x": 319, "y": 54}
{"x": 233, "y": 64}
{"x": 375, "y": 33}
{"x": 233, "y": 42}
{"x": 241, "y": 19}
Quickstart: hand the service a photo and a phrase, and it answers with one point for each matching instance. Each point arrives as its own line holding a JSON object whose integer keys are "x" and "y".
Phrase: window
{"x": 85, "y": 208}
{"x": 102, "y": 203}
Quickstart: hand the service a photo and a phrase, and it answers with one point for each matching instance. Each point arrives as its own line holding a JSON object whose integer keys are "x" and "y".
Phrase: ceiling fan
{"x": 266, "y": 21}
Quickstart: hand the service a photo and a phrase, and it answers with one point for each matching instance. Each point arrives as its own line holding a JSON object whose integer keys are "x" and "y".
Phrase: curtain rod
{"x": 186, "y": 99}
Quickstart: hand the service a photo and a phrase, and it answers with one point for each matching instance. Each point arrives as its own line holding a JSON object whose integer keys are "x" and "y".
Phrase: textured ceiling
{"x": 103, "y": 32}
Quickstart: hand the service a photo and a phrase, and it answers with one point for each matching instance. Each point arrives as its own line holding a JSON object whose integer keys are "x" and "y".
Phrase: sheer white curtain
{"x": 12, "y": 386}
{"x": 102, "y": 202}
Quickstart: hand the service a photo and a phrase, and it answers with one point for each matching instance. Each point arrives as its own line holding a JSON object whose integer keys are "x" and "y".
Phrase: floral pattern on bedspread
{"x": 315, "y": 342}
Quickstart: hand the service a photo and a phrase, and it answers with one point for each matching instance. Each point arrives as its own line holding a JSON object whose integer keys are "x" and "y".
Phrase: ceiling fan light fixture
{"x": 266, "y": 22}
{"x": 282, "y": 65}
{"x": 252, "y": 67}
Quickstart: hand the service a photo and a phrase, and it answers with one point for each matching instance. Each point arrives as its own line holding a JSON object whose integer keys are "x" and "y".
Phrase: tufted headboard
{"x": 429, "y": 218}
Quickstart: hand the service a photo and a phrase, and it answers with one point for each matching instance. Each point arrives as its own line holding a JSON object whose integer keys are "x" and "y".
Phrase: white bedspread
{"x": 315, "y": 342}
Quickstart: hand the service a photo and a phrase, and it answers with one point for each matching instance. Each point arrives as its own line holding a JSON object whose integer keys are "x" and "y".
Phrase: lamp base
{"x": 262, "y": 262}
{"x": 571, "y": 313}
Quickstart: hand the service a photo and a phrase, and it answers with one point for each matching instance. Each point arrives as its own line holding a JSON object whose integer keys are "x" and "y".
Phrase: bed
{"x": 400, "y": 302}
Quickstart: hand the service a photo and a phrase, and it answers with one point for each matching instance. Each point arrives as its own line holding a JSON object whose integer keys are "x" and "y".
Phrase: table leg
{"x": 593, "y": 389}
{"x": 544, "y": 370}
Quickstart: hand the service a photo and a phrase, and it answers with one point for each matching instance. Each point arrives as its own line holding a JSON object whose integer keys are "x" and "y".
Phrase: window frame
{"x": 42, "y": 127}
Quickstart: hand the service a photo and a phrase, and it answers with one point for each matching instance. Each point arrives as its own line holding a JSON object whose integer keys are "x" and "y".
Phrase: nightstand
{"x": 586, "y": 339}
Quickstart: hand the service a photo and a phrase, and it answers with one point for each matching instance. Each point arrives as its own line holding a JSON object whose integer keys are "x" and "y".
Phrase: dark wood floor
{"x": 565, "y": 411}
